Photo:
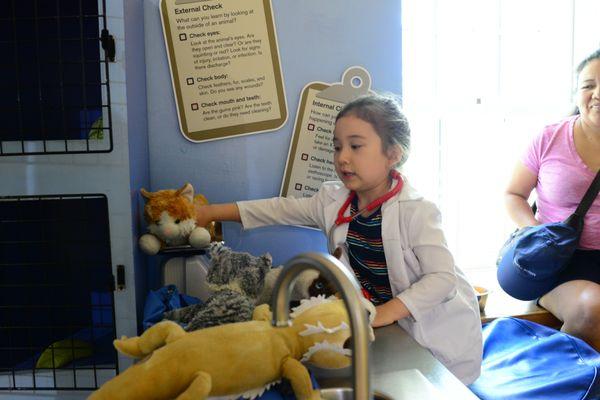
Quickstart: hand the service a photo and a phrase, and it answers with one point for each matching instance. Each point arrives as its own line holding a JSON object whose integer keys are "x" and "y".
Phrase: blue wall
{"x": 317, "y": 40}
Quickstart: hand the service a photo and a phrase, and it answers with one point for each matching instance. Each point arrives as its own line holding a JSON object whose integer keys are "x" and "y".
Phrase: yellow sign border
{"x": 236, "y": 130}
{"x": 320, "y": 86}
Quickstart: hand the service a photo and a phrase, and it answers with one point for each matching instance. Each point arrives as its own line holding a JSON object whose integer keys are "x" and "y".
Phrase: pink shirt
{"x": 563, "y": 179}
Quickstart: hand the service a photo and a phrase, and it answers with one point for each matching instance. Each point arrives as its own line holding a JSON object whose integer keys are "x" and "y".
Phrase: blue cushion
{"x": 523, "y": 360}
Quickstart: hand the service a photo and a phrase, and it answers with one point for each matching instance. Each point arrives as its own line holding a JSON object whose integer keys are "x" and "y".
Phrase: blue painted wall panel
{"x": 317, "y": 40}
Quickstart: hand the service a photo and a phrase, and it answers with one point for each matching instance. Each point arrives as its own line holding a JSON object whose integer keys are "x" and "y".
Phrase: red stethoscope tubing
{"x": 341, "y": 219}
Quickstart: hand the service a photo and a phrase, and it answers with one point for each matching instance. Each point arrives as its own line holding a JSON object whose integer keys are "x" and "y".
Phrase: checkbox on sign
{"x": 304, "y": 157}
{"x": 182, "y": 36}
{"x": 190, "y": 81}
{"x": 298, "y": 186}
{"x": 311, "y": 127}
{"x": 195, "y": 106}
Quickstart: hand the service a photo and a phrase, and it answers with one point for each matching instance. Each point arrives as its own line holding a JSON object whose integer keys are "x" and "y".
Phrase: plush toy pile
{"x": 233, "y": 359}
{"x": 170, "y": 215}
{"x": 301, "y": 288}
{"x": 239, "y": 281}
{"x": 308, "y": 284}
{"x": 236, "y": 279}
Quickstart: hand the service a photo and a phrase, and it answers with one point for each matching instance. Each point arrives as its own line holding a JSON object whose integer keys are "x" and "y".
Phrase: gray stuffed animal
{"x": 236, "y": 280}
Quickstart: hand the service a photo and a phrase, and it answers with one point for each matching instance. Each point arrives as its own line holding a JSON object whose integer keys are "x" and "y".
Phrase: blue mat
{"x": 523, "y": 360}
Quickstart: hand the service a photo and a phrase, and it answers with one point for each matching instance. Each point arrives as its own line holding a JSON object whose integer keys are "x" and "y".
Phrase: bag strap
{"x": 576, "y": 219}
{"x": 589, "y": 196}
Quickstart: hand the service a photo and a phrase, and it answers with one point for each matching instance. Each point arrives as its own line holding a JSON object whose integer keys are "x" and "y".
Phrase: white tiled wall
{"x": 90, "y": 173}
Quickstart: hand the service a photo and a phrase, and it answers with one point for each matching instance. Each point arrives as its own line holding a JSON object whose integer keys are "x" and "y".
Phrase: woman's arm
{"x": 521, "y": 184}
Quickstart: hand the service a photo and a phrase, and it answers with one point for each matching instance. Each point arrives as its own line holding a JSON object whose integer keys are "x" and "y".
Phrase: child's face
{"x": 588, "y": 94}
{"x": 359, "y": 158}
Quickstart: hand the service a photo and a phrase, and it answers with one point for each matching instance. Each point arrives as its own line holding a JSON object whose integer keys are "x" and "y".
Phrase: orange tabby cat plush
{"x": 170, "y": 217}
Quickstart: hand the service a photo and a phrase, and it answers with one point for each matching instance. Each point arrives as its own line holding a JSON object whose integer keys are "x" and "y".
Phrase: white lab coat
{"x": 444, "y": 311}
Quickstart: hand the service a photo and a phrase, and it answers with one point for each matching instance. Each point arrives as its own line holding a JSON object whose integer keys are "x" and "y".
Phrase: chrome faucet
{"x": 345, "y": 282}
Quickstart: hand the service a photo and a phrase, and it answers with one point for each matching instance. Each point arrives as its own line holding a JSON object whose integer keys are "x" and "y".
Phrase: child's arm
{"x": 390, "y": 312}
{"x": 217, "y": 212}
{"x": 272, "y": 211}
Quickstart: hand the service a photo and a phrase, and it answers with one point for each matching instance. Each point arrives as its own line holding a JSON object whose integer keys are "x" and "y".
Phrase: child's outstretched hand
{"x": 206, "y": 213}
{"x": 203, "y": 217}
{"x": 390, "y": 312}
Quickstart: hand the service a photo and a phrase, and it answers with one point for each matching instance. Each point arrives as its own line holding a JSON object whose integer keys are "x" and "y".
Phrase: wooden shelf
{"x": 181, "y": 251}
{"x": 500, "y": 304}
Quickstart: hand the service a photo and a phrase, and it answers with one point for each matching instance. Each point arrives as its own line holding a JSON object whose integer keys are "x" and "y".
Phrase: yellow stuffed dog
{"x": 240, "y": 359}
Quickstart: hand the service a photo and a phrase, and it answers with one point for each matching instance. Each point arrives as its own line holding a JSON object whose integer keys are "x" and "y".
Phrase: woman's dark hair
{"x": 385, "y": 114}
{"x": 594, "y": 56}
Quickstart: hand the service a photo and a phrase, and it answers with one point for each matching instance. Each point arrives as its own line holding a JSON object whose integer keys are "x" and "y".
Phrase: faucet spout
{"x": 346, "y": 284}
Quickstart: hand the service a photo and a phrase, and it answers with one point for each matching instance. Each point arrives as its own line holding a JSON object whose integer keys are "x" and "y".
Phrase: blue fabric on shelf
{"x": 523, "y": 360}
{"x": 166, "y": 298}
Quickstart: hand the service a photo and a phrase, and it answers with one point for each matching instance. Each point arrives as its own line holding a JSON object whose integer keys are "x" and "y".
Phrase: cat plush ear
{"x": 187, "y": 191}
{"x": 267, "y": 259}
{"x": 146, "y": 194}
{"x": 215, "y": 249}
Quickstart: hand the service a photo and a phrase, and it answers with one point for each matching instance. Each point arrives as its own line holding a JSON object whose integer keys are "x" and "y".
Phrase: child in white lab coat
{"x": 387, "y": 233}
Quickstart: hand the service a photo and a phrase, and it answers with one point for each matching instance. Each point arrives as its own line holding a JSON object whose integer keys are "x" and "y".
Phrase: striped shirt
{"x": 367, "y": 259}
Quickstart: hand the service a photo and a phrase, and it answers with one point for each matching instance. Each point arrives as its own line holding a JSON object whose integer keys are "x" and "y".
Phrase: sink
{"x": 329, "y": 373}
{"x": 347, "y": 394}
{"x": 406, "y": 384}
{"x": 354, "y": 381}
{"x": 345, "y": 282}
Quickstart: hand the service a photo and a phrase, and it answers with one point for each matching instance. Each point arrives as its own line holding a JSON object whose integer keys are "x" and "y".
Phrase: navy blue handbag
{"x": 531, "y": 260}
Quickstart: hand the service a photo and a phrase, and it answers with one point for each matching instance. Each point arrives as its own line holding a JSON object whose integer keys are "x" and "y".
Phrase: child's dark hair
{"x": 594, "y": 56}
{"x": 385, "y": 114}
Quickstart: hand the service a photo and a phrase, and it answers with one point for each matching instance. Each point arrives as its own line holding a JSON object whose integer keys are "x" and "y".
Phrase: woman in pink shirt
{"x": 560, "y": 164}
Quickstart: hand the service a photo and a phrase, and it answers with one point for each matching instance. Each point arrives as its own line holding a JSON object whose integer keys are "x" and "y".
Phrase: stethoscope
{"x": 341, "y": 219}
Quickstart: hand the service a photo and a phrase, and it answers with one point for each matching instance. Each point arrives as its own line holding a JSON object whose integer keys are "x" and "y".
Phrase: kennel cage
{"x": 57, "y": 316}
{"x": 54, "y": 77}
